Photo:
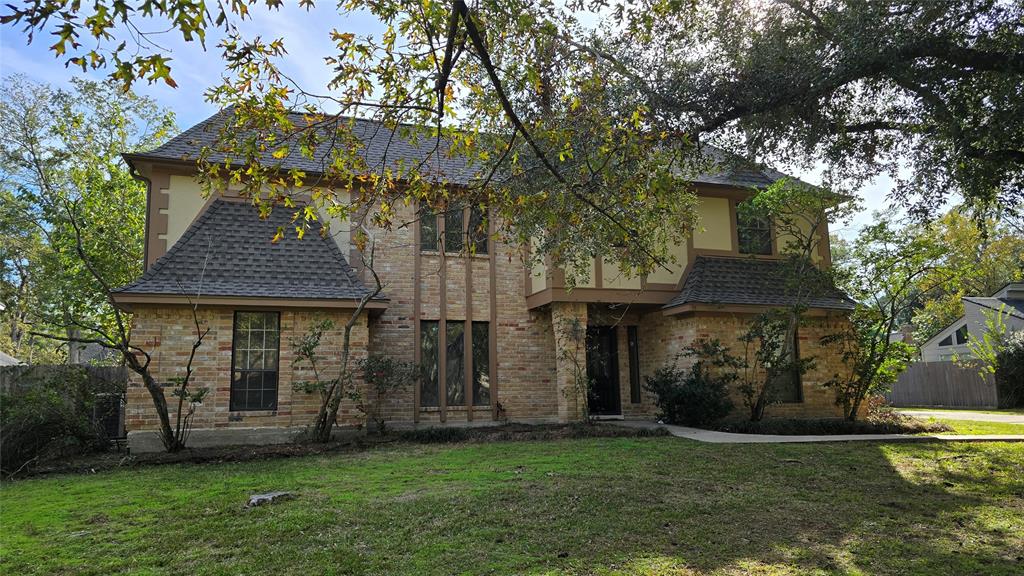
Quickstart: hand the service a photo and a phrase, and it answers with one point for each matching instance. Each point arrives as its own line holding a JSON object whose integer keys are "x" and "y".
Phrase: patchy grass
{"x": 590, "y": 506}
{"x": 979, "y": 427}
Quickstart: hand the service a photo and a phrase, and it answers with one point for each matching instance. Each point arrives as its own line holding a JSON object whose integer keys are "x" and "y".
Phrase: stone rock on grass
{"x": 268, "y": 498}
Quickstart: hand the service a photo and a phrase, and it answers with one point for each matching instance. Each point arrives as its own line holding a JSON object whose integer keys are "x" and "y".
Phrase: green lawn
{"x": 983, "y": 410}
{"x": 978, "y": 427}
{"x": 596, "y": 506}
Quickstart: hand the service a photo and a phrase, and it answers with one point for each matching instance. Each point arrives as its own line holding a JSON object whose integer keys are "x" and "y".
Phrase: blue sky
{"x": 306, "y": 38}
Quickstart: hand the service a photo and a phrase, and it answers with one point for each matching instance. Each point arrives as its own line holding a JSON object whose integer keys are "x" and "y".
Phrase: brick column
{"x": 569, "y": 323}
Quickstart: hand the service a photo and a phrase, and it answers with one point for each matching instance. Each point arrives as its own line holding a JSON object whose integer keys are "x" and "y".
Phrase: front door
{"x": 603, "y": 371}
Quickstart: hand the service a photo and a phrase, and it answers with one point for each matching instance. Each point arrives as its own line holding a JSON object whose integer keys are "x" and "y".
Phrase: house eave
{"x": 127, "y": 301}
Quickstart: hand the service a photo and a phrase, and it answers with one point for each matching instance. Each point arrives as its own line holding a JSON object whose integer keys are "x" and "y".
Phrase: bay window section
{"x": 453, "y": 339}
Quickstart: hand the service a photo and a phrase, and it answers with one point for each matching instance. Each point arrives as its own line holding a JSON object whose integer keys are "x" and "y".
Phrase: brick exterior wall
{"x": 532, "y": 375}
{"x": 664, "y": 337}
{"x": 168, "y": 334}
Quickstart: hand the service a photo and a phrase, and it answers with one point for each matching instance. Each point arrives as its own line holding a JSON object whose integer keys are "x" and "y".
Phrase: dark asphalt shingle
{"x": 713, "y": 280}
{"x": 385, "y": 148}
{"x": 227, "y": 251}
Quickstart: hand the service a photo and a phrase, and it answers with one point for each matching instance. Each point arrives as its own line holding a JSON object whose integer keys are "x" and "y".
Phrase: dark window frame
{"x": 747, "y": 230}
{"x": 465, "y": 219}
{"x": 232, "y": 406}
{"x": 455, "y": 364}
{"x": 794, "y": 376}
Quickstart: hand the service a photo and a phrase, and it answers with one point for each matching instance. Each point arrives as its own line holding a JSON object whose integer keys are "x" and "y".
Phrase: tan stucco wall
{"x": 714, "y": 230}
{"x": 185, "y": 201}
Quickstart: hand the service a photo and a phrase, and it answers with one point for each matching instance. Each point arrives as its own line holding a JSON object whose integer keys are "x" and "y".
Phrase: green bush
{"x": 1009, "y": 371}
{"x": 49, "y": 416}
{"x": 699, "y": 394}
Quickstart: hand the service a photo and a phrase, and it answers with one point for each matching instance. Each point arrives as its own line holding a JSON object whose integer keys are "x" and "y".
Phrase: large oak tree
{"x": 586, "y": 134}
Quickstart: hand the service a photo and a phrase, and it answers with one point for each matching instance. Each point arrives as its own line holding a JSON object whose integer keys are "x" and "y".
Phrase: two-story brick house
{"x": 481, "y": 326}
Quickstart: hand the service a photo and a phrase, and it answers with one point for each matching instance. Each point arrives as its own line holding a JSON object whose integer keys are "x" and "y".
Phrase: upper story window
{"x": 256, "y": 342}
{"x": 754, "y": 235}
{"x": 960, "y": 336}
{"x": 464, "y": 229}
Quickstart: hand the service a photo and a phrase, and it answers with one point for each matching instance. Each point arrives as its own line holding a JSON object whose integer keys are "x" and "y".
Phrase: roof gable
{"x": 227, "y": 251}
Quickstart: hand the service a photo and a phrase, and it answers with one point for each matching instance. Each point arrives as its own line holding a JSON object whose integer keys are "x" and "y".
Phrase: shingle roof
{"x": 382, "y": 145}
{"x": 713, "y": 280}
{"x": 1009, "y": 306}
{"x": 227, "y": 251}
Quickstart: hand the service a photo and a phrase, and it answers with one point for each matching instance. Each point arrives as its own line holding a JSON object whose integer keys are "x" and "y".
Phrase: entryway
{"x": 603, "y": 371}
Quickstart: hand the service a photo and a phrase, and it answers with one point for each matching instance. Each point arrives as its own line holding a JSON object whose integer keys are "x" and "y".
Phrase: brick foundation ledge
{"x": 140, "y": 441}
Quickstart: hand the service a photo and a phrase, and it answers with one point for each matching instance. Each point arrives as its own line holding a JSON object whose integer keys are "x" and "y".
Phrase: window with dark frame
{"x": 454, "y": 341}
{"x": 429, "y": 373}
{"x": 255, "y": 353}
{"x": 458, "y": 235}
{"x": 428, "y": 231}
{"x": 961, "y": 335}
{"x": 753, "y": 235}
{"x": 789, "y": 388}
{"x": 481, "y": 363}
{"x": 632, "y": 339}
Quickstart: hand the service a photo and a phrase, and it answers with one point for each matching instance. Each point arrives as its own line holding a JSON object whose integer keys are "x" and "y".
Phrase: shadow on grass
{"x": 591, "y": 506}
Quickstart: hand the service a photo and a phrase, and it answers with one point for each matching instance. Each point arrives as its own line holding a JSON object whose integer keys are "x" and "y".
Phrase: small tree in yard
{"x": 334, "y": 390}
{"x": 384, "y": 376}
{"x": 888, "y": 270}
{"x": 768, "y": 359}
{"x": 571, "y": 341}
{"x": 799, "y": 213}
{"x": 999, "y": 353}
{"x": 1009, "y": 372}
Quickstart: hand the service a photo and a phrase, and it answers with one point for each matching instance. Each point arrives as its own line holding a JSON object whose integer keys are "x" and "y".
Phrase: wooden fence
{"x": 106, "y": 383}
{"x": 943, "y": 384}
{"x": 13, "y": 378}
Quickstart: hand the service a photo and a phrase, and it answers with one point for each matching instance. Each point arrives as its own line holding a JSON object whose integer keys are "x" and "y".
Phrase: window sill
{"x": 243, "y": 413}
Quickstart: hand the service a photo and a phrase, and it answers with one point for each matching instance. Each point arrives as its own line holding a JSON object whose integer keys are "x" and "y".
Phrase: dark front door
{"x": 603, "y": 371}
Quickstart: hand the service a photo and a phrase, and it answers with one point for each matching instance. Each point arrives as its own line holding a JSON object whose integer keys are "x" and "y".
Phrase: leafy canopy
{"x": 587, "y": 134}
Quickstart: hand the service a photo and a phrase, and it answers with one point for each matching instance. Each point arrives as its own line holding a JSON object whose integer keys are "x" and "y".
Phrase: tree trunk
{"x": 171, "y": 442}
{"x": 854, "y": 408}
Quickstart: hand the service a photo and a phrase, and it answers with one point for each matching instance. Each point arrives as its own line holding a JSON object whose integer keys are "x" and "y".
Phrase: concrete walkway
{"x": 1007, "y": 418}
{"x": 715, "y": 437}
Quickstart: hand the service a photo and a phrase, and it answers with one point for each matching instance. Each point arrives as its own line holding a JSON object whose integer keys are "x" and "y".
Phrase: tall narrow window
{"x": 428, "y": 230}
{"x": 481, "y": 363}
{"x": 454, "y": 232}
{"x": 788, "y": 387}
{"x": 632, "y": 341}
{"x": 754, "y": 235}
{"x": 455, "y": 363}
{"x": 477, "y": 230}
{"x": 428, "y": 363}
{"x": 255, "y": 351}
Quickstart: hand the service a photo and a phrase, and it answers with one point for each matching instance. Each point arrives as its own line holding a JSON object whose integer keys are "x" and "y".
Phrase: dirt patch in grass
{"x": 91, "y": 463}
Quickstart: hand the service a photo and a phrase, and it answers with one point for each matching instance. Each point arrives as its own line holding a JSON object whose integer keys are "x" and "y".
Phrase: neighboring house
{"x": 8, "y": 360}
{"x": 481, "y": 326}
{"x": 951, "y": 341}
